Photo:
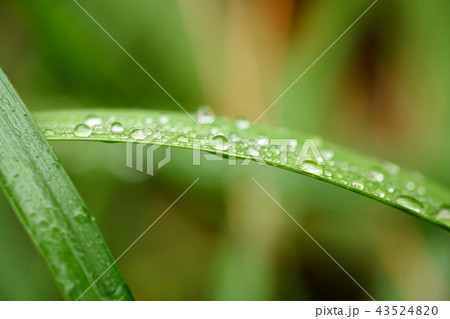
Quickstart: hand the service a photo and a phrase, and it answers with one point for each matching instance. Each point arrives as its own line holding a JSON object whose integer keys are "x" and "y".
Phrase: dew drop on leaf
{"x": 220, "y": 142}
{"x": 92, "y": 121}
{"x": 358, "y": 185}
{"x": 312, "y": 167}
{"x": 163, "y": 119}
{"x": 410, "y": 203}
{"x": 156, "y": 137}
{"x": 116, "y": 127}
{"x": 137, "y": 134}
{"x": 410, "y": 186}
{"x": 205, "y": 115}
{"x": 344, "y": 166}
{"x": 82, "y": 130}
{"x": 327, "y": 154}
{"x": 49, "y": 133}
{"x": 328, "y": 174}
{"x": 380, "y": 193}
{"x": 234, "y": 137}
{"x": 242, "y": 124}
{"x": 275, "y": 150}
{"x": 253, "y": 152}
{"x": 182, "y": 139}
{"x": 443, "y": 213}
{"x": 262, "y": 141}
{"x": 375, "y": 175}
{"x": 81, "y": 215}
{"x": 421, "y": 190}
{"x": 391, "y": 167}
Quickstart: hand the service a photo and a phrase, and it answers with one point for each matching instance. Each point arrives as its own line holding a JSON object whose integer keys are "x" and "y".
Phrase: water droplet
{"x": 443, "y": 213}
{"x": 116, "y": 127}
{"x": 163, "y": 119}
{"x": 137, "y": 134}
{"x": 234, "y": 137}
{"x": 182, "y": 139}
{"x": 410, "y": 203}
{"x": 205, "y": 115}
{"x": 410, "y": 186}
{"x": 327, "y": 154}
{"x": 92, "y": 121}
{"x": 338, "y": 175}
{"x": 358, "y": 185}
{"x": 421, "y": 190}
{"x": 253, "y": 152}
{"x": 157, "y": 136}
{"x": 148, "y": 120}
{"x": 312, "y": 167}
{"x": 49, "y": 133}
{"x": 262, "y": 141}
{"x": 375, "y": 176}
{"x": 81, "y": 215}
{"x": 344, "y": 166}
{"x": 275, "y": 150}
{"x": 82, "y": 130}
{"x": 391, "y": 167}
{"x": 220, "y": 142}
{"x": 242, "y": 124}
{"x": 380, "y": 193}
{"x": 391, "y": 189}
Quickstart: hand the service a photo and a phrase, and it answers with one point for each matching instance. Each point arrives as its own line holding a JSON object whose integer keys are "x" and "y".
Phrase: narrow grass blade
{"x": 50, "y": 208}
{"x": 380, "y": 180}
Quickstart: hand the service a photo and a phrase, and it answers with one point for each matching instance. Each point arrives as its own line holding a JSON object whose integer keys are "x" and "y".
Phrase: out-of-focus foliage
{"x": 381, "y": 89}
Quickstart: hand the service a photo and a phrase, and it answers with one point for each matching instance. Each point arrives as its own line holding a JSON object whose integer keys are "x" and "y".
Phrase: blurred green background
{"x": 383, "y": 89}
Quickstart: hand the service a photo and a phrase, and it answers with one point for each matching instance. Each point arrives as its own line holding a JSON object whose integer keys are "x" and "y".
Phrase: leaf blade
{"x": 50, "y": 208}
{"x": 380, "y": 180}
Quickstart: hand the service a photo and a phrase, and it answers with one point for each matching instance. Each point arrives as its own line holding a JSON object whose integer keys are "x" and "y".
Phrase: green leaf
{"x": 50, "y": 208}
{"x": 380, "y": 180}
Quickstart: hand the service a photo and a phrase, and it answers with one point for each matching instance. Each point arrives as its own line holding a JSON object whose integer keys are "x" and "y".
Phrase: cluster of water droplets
{"x": 219, "y": 136}
{"x": 237, "y": 138}
{"x": 382, "y": 180}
